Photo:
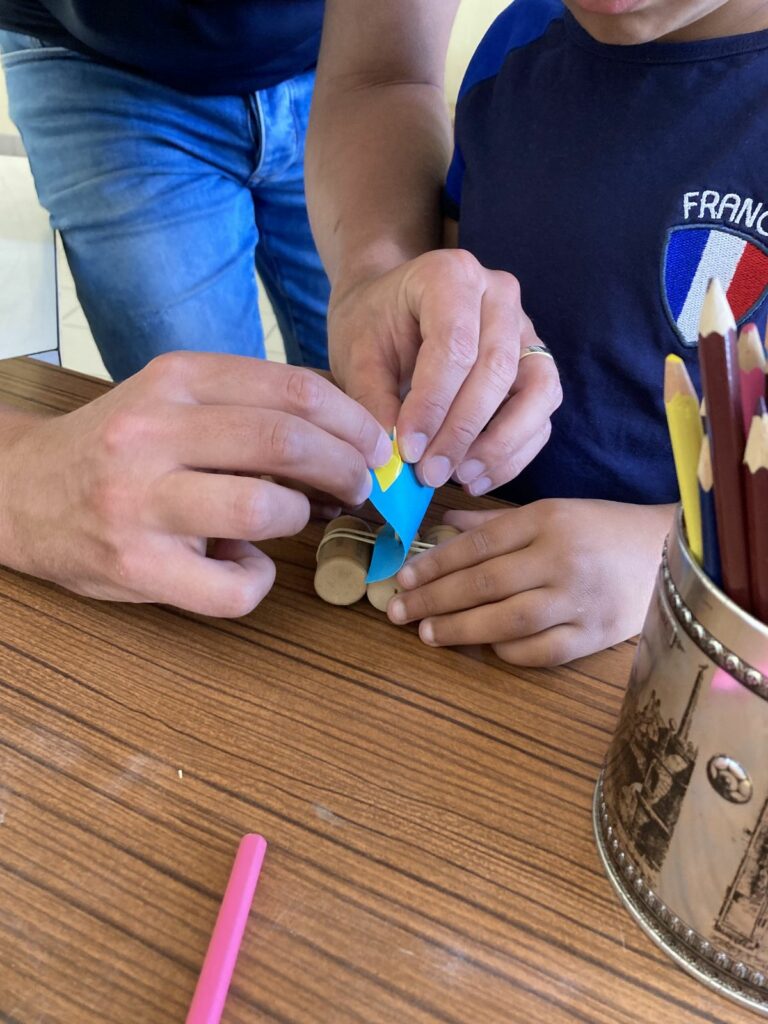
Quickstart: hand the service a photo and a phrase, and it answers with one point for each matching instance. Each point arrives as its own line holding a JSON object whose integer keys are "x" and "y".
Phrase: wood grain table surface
{"x": 428, "y": 814}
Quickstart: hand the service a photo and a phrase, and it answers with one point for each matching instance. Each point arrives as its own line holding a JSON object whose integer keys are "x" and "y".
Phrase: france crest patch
{"x": 695, "y": 253}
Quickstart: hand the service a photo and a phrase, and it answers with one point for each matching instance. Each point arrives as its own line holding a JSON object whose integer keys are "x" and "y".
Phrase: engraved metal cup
{"x": 681, "y": 806}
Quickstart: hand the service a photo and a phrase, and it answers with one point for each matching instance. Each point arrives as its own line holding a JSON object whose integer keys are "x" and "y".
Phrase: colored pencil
{"x": 751, "y": 356}
{"x": 719, "y": 372}
{"x": 756, "y": 489}
{"x": 682, "y": 406}
{"x": 711, "y": 561}
{"x": 216, "y": 974}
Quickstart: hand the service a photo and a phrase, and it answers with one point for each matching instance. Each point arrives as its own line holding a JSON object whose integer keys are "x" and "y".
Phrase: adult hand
{"x": 544, "y": 584}
{"x": 451, "y": 331}
{"x": 118, "y": 499}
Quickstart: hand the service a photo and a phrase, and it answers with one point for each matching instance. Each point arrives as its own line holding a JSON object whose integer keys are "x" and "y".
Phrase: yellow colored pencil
{"x": 685, "y": 430}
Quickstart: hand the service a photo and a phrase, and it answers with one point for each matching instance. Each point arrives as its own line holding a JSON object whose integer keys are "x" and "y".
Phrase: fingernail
{"x": 412, "y": 446}
{"x": 480, "y": 486}
{"x": 396, "y": 611}
{"x": 436, "y": 471}
{"x": 383, "y": 452}
{"x": 427, "y": 632}
{"x": 406, "y": 578}
{"x": 470, "y": 470}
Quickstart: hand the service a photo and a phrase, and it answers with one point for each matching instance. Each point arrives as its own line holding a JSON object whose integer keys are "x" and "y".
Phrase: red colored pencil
{"x": 720, "y": 377}
{"x": 756, "y": 489}
{"x": 751, "y": 356}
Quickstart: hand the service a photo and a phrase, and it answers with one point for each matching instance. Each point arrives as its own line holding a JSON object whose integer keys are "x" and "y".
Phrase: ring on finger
{"x": 540, "y": 349}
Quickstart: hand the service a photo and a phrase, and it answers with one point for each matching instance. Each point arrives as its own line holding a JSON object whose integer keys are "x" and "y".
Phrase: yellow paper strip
{"x": 386, "y": 475}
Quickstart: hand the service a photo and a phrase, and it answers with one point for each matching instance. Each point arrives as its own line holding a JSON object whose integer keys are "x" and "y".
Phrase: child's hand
{"x": 543, "y": 584}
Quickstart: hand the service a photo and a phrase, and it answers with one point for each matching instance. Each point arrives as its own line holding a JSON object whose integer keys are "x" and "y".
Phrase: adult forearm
{"x": 376, "y": 159}
{"x": 380, "y": 136}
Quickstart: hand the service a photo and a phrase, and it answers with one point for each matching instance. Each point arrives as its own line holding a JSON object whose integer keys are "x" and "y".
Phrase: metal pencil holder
{"x": 681, "y": 805}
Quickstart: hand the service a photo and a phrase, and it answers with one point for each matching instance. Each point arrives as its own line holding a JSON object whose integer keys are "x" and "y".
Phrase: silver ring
{"x": 536, "y": 350}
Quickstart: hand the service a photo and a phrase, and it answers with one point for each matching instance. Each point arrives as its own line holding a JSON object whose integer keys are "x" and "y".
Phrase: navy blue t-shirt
{"x": 212, "y": 47}
{"x": 613, "y": 181}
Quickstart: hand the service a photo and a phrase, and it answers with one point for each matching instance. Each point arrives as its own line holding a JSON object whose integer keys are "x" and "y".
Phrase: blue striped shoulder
{"x": 523, "y": 22}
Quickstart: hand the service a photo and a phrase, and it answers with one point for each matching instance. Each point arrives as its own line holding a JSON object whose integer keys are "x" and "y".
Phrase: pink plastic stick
{"x": 213, "y": 983}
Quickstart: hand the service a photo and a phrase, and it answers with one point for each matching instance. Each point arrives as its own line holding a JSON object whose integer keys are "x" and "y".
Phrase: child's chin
{"x": 615, "y": 21}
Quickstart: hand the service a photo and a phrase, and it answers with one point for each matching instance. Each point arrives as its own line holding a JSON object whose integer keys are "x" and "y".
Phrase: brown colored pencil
{"x": 720, "y": 377}
{"x": 756, "y": 491}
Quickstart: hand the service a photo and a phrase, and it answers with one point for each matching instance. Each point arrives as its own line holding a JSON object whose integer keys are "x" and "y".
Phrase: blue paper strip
{"x": 402, "y": 505}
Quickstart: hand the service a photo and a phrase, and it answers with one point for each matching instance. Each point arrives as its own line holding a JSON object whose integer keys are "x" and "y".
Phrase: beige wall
{"x": 473, "y": 19}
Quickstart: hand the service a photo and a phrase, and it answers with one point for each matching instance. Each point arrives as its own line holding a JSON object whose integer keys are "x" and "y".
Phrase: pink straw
{"x": 213, "y": 983}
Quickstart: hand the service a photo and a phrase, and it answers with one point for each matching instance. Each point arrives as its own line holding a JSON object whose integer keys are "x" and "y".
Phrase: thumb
{"x": 374, "y": 384}
{"x": 251, "y": 572}
{"x": 230, "y": 582}
{"x": 363, "y": 355}
{"x": 381, "y": 401}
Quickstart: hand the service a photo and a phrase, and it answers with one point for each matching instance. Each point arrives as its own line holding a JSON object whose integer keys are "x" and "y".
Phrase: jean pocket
{"x": 302, "y": 87}
{"x": 16, "y": 48}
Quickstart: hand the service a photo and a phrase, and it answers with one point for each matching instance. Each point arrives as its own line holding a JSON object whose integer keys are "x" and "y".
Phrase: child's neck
{"x": 734, "y": 18}
{"x": 669, "y": 21}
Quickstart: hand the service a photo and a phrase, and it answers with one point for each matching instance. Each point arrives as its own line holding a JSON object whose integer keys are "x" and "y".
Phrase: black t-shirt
{"x": 211, "y": 47}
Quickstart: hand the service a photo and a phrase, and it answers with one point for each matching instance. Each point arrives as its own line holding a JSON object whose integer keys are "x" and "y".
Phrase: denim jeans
{"x": 165, "y": 201}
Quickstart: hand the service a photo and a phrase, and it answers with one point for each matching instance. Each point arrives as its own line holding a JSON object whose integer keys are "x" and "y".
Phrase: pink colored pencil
{"x": 751, "y": 358}
{"x": 213, "y": 983}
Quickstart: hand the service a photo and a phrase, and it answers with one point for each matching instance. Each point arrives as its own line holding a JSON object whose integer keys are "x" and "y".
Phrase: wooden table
{"x": 428, "y": 814}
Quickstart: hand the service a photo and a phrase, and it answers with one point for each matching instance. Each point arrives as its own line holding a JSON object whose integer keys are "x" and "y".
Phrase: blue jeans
{"x": 165, "y": 201}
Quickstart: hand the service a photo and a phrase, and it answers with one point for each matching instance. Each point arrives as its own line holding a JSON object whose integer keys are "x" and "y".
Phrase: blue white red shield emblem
{"x": 693, "y": 255}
